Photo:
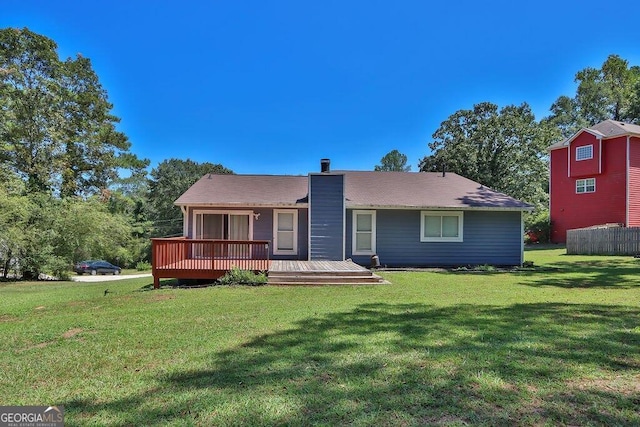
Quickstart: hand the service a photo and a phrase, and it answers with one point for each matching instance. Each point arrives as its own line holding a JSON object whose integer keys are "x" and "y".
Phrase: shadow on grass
{"x": 611, "y": 273}
{"x": 393, "y": 364}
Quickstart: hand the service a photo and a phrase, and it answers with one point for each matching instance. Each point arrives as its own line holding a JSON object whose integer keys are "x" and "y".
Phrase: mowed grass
{"x": 556, "y": 345}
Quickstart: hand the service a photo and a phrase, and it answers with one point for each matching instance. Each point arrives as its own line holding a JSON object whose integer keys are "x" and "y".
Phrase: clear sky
{"x": 273, "y": 86}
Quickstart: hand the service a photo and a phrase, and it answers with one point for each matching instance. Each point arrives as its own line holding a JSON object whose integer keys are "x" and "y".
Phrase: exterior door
{"x": 239, "y": 230}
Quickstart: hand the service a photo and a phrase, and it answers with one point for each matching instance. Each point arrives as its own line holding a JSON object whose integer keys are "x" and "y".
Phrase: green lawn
{"x": 557, "y": 345}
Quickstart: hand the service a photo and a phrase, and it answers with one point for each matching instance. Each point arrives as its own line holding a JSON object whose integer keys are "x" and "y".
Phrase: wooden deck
{"x": 183, "y": 258}
{"x": 320, "y": 273}
{"x": 278, "y": 266}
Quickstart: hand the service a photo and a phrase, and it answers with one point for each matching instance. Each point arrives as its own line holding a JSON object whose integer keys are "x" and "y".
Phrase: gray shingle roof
{"x": 244, "y": 190}
{"x": 606, "y": 129}
{"x": 362, "y": 189}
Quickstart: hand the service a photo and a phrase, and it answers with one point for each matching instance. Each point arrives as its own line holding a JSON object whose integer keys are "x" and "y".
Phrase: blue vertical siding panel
{"x": 326, "y": 199}
{"x": 490, "y": 237}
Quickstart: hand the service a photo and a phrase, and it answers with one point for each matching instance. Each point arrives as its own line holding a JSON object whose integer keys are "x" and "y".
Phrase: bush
{"x": 243, "y": 277}
{"x": 143, "y": 266}
{"x": 538, "y": 227}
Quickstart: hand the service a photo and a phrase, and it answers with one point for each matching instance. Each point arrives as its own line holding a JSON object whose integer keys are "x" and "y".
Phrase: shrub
{"x": 538, "y": 227}
{"x": 143, "y": 266}
{"x": 243, "y": 277}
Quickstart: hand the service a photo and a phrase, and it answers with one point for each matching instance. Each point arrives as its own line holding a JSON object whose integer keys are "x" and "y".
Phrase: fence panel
{"x": 604, "y": 241}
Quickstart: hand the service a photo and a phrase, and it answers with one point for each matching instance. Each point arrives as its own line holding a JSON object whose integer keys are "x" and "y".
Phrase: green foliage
{"x": 610, "y": 92}
{"x": 505, "y": 149}
{"x": 143, "y": 266}
{"x": 57, "y": 129}
{"x": 537, "y": 226}
{"x": 168, "y": 181}
{"x": 393, "y": 161}
{"x": 243, "y": 277}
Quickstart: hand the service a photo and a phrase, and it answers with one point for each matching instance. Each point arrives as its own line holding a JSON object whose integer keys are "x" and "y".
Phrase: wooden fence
{"x": 604, "y": 241}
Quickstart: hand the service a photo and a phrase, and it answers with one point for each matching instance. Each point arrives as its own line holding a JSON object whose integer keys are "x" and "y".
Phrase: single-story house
{"x": 403, "y": 218}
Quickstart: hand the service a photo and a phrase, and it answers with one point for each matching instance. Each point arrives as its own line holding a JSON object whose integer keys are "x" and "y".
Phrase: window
{"x": 584, "y": 152}
{"x": 285, "y": 232}
{"x": 364, "y": 233}
{"x": 587, "y": 185}
{"x": 441, "y": 226}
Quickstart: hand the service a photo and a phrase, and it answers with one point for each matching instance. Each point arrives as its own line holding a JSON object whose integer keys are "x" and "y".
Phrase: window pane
{"x": 449, "y": 226}
{"x": 363, "y": 222}
{"x": 285, "y": 221}
{"x": 285, "y": 240}
{"x": 432, "y": 226}
{"x": 363, "y": 242}
{"x": 584, "y": 152}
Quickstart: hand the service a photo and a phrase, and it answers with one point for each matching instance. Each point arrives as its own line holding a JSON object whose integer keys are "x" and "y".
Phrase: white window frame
{"x": 584, "y": 152}
{"x": 354, "y": 232}
{"x": 277, "y": 251}
{"x": 197, "y": 212}
{"x": 458, "y": 238}
{"x": 584, "y": 185}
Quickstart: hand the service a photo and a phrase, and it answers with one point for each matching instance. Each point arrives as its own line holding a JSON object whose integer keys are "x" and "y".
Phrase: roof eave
{"x": 444, "y": 208}
{"x": 242, "y": 205}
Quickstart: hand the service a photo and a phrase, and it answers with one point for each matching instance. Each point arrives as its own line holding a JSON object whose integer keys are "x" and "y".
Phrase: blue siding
{"x": 326, "y": 204}
{"x": 490, "y": 237}
{"x": 263, "y": 228}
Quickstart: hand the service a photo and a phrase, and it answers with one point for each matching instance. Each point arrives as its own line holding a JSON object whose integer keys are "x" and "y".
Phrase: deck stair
{"x": 320, "y": 273}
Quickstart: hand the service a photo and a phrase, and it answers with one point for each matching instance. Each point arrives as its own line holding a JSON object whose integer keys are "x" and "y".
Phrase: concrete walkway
{"x": 107, "y": 278}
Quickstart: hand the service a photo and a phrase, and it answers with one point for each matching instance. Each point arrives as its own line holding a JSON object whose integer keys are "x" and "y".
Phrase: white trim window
{"x": 364, "y": 233}
{"x": 587, "y": 185}
{"x": 441, "y": 226}
{"x": 285, "y": 231}
{"x": 584, "y": 152}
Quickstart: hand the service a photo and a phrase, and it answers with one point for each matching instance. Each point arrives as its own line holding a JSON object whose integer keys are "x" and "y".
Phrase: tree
{"x": 393, "y": 161}
{"x": 503, "y": 149}
{"x": 56, "y": 126}
{"x": 168, "y": 181}
{"x": 610, "y": 92}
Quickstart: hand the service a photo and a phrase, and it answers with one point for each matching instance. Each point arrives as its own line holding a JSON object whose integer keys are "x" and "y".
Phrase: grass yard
{"x": 558, "y": 345}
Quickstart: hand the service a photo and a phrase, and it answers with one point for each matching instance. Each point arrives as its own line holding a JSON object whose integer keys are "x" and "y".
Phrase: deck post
{"x": 156, "y": 282}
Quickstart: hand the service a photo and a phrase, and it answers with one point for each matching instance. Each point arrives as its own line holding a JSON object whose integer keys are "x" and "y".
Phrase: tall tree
{"x": 168, "y": 181}
{"x": 503, "y": 149}
{"x": 610, "y": 92}
{"x": 56, "y": 125}
{"x": 393, "y": 161}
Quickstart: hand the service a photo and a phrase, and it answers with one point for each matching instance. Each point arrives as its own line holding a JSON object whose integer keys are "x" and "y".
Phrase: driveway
{"x": 107, "y": 278}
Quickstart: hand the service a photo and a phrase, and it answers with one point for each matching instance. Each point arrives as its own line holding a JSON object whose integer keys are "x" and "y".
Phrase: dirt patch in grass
{"x": 8, "y": 318}
{"x": 40, "y": 307}
{"x": 161, "y": 297}
{"x": 621, "y": 385}
{"x": 72, "y": 333}
{"x": 36, "y": 346}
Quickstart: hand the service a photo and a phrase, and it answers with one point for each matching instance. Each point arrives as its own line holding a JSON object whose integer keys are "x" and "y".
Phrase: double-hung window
{"x": 587, "y": 185}
{"x": 441, "y": 226}
{"x": 364, "y": 233}
{"x": 285, "y": 232}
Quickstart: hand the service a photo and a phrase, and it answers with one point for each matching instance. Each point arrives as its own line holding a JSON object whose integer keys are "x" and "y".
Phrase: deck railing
{"x": 204, "y": 254}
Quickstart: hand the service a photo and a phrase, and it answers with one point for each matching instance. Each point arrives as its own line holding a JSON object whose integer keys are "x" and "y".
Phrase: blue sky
{"x": 273, "y": 86}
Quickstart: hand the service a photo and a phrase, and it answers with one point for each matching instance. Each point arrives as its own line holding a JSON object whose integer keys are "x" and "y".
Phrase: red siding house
{"x": 595, "y": 178}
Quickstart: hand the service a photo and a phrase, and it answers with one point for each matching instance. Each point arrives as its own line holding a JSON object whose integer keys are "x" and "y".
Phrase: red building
{"x": 595, "y": 178}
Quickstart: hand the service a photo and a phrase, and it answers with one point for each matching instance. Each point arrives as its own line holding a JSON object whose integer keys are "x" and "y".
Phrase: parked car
{"x": 96, "y": 267}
